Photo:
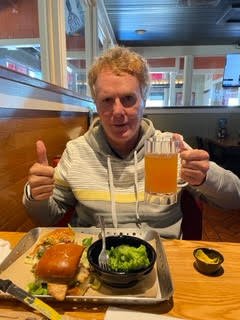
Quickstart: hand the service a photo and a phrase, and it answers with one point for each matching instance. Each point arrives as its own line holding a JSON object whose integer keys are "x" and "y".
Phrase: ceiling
{"x": 175, "y": 22}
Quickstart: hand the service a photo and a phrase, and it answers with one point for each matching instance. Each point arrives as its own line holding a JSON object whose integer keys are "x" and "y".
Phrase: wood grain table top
{"x": 196, "y": 296}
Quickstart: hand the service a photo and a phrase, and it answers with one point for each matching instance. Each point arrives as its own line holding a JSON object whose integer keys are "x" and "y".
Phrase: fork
{"x": 103, "y": 257}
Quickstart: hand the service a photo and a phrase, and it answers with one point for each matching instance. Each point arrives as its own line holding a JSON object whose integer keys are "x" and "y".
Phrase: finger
{"x": 42, "y": 189}
{"x": 196, "y": 165}
{"x": 194, "y": 154}
{"x": 182, "y": 144}
{"x": 43, "y": 196}
{"x": 42, "y": 192}
{"x": 179, "y": 138}
{"x": 193, "y": 177}
{"x": 36, "y": 181}
{"x": 41, "y": 153}
{"x": 41, "y": 170}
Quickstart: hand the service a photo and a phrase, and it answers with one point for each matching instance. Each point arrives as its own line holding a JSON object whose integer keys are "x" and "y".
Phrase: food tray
{"x": 157, "y": 286}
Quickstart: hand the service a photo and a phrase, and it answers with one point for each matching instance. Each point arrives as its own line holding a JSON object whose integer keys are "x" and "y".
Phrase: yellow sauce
{"x": 208, "y": 258}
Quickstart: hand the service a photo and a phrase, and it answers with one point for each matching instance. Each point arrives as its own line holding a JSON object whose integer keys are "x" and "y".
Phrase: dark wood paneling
{"x": 19, "y": 131}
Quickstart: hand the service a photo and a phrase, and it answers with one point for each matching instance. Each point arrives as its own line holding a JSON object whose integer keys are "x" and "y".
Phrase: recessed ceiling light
{"x": 140, "y": 31}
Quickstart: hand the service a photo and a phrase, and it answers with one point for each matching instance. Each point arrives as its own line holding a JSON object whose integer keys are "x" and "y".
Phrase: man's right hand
{"x": 41, "y": 175}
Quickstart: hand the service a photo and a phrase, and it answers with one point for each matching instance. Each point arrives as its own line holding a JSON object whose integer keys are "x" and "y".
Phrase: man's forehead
{"x": 124, "y": 80}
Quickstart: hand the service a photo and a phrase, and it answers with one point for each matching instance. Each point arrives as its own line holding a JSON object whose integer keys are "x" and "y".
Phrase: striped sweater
{"x": 95, "y": 180}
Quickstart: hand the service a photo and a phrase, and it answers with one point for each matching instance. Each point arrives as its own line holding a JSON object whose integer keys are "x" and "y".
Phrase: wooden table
{"x": 195, "y": 297}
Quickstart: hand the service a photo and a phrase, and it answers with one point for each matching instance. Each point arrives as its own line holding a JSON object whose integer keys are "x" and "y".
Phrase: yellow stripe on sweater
{"x": 99, "y": 195}
{"x": 60, "y": 182}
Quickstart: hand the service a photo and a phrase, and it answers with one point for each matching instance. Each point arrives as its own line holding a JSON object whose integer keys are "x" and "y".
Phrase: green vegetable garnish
{"x": 95, "y": 283}
{"x": 40, "y": 253}
{"x": 70, "y": 227}
{"x": 127, "y": 258}
{"x": 37, "y": 288}
{"x": 49, "y": 241}
{"x": 87, "y": 241}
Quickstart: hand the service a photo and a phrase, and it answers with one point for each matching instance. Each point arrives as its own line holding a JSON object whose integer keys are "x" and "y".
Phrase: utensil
{"x": 103, "y": 256}
{"x": 23, "y": 245}
{"x": 30, "y": 300}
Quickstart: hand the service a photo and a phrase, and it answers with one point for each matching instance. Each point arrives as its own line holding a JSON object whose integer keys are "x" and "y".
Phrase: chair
{"x": 232, "y": 159}
{"x": 217, "y": 153}
{"x": 200, "y": 144}
{"x": 192, "y": 216}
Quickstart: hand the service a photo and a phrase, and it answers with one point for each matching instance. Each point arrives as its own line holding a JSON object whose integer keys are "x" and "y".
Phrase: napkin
{"x": 114, "y": 313}
{"x": 4, "y": 249}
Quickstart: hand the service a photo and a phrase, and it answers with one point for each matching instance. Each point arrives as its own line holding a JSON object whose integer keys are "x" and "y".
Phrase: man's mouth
{"x": 120, "y": 124}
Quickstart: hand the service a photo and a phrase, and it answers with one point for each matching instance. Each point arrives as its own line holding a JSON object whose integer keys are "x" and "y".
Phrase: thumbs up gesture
{"x": 41, "y": 175}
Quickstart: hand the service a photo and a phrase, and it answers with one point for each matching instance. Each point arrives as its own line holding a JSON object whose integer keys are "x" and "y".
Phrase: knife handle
{"x": 4, "y": 285}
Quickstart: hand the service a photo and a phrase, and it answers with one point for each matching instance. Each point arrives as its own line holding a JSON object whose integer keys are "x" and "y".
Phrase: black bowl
{"x": 120, "y": 279}
{"x": 205, "y": 266}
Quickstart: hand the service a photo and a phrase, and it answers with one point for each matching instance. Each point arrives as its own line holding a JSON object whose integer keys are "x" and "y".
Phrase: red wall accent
{"x": 199, "y": 62}
{"x": 164, "y": 62}
{"x": 209, "y": 62}
{"x": 19, "y": 19}
{"x": 75, "y": 43}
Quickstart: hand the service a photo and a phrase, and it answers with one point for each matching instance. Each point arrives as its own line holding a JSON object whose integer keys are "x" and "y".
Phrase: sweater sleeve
{"x": 221, "y": 188}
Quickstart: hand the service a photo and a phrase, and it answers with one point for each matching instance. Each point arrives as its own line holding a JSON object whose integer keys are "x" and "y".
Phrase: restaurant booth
{"x": 32, "y": 109}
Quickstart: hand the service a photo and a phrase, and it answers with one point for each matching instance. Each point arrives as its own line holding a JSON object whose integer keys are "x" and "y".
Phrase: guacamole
{"x": 128, "y": 258}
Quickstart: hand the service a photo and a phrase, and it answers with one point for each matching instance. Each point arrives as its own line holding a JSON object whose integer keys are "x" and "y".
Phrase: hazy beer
{"x": 161, "y": 173}
{"x": 161, "y": 170}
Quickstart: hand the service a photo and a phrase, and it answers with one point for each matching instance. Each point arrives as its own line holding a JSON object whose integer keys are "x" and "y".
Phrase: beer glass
{"x": 161, "y": 170}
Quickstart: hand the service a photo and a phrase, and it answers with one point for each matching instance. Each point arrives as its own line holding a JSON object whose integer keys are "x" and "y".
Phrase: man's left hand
{"x": 195, "y": 164}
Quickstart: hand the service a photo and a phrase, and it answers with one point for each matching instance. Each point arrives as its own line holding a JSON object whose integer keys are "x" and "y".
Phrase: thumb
{"x": 179, "y": 138}
{"x": 182, "y": 144}
{"x": 41, "y": 153}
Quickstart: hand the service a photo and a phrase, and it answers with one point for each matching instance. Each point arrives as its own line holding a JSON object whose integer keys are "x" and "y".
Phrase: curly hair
{"x": 118, "y": 60}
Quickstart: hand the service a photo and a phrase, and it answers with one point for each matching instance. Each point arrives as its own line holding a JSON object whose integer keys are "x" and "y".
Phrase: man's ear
{"x": 142, "y": 107}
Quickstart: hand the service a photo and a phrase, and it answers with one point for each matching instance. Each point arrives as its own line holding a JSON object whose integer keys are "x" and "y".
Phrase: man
{"x": 103, "y": 171}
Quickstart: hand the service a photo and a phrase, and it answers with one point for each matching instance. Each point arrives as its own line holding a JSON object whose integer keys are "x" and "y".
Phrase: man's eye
{"x": 107, "y": 101}
{"x": 128, "y": 101}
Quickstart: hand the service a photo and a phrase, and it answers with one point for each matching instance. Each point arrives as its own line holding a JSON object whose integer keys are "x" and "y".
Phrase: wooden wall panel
{"x": 19, "y": 131}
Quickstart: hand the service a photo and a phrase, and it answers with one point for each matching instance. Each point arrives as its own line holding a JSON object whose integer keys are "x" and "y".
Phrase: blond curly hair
{"x": 120, "y": 59}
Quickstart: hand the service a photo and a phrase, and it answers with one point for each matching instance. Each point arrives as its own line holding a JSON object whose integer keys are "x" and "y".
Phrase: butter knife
{"x": 30, "y": 300}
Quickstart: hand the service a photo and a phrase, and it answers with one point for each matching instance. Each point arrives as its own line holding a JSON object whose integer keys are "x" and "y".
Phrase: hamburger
{"x": 61, "y": 235}
{"x": 58, "y": 267}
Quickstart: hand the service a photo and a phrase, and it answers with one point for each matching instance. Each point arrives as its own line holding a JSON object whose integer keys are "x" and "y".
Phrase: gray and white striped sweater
{"x": 96, "y": 180}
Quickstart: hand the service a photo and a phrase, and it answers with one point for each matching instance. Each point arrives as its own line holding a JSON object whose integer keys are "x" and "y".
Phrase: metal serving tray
{"x": 162, "y": 286}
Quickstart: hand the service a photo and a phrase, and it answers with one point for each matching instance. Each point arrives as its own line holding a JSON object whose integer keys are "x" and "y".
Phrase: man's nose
{"x": 118, "y": 108}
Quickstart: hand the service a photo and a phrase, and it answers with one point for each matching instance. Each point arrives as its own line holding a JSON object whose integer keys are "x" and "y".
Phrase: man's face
{"x": 120, "y": 106}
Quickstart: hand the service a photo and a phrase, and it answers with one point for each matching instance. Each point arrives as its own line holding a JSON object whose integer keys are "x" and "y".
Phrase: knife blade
{"x": 25, "y": 297}
{"x": 23, "y": 245}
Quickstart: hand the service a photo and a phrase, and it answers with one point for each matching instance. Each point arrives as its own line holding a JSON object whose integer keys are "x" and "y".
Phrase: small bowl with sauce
{"x": 208, "y": 260}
